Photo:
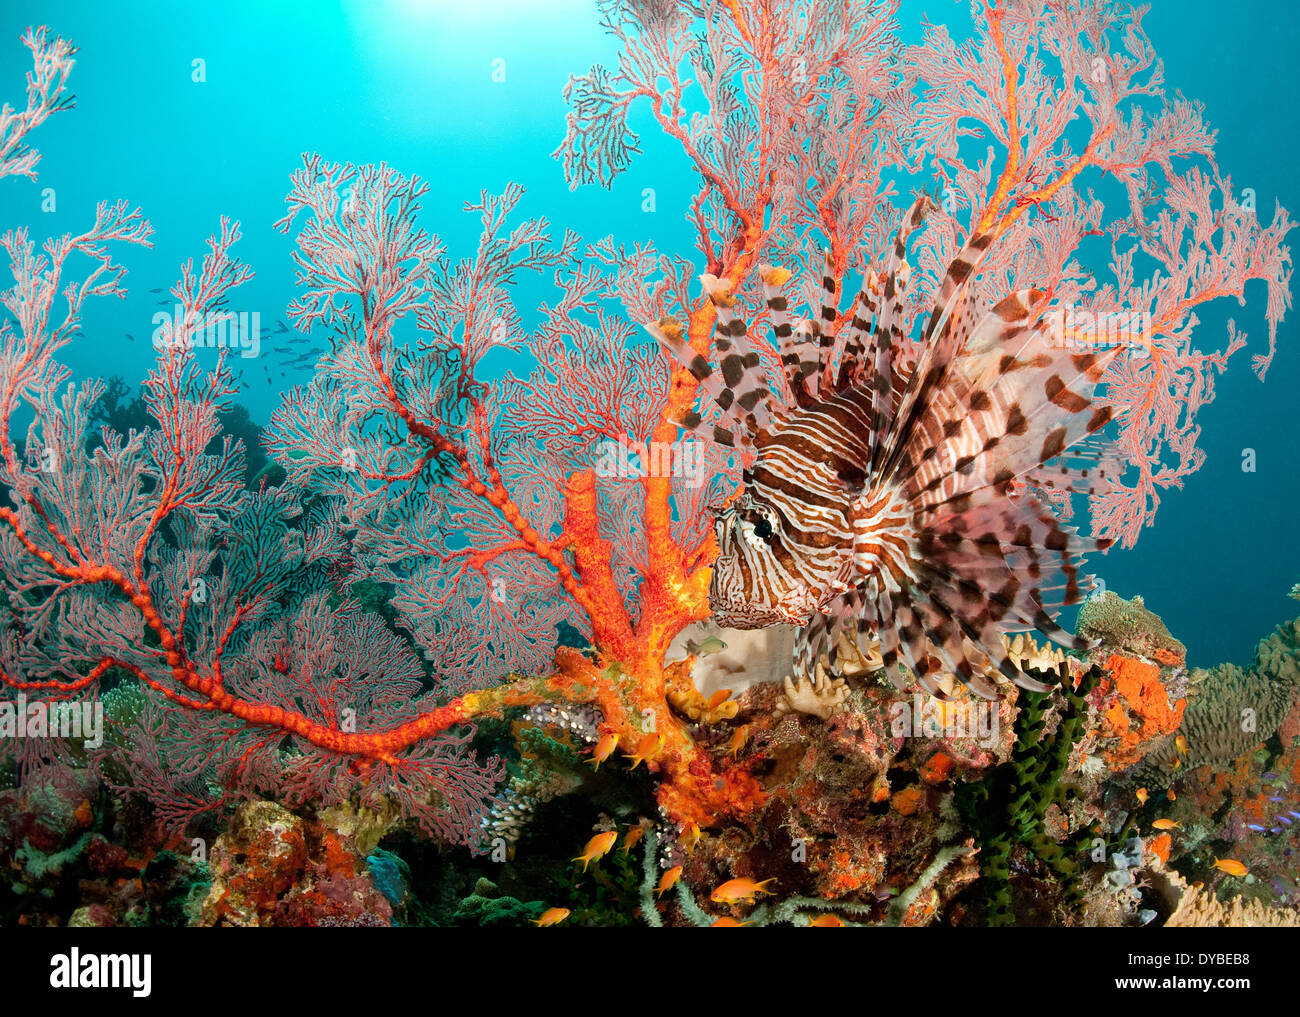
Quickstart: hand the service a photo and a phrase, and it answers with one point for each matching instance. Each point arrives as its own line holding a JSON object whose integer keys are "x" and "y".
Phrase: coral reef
{"x": 271, "y": 867}
{"x": 401, "y": 668}
{"x": 1231, "y": 710}
{"x": 1197, "y": 908}
{"x": 818, "y": 696}
{"x": 1135, "y": 709}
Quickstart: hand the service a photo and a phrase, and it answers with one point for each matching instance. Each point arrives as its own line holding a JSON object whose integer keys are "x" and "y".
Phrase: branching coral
{"x": 1012, "y": 85}
{"x": 47, "y": 94}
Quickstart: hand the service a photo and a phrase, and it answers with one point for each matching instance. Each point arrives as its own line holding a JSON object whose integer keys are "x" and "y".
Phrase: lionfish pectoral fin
{"x": 983, "y": 688}
{"x": 746, "y": 401}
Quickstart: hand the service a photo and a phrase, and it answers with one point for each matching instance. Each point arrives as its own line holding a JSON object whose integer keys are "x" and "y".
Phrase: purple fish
{"x": 1277, "y": 798}
{"x": 1276, "y": 829}
{"x": 1257, "y": 829}
{"x": 1292, "y": 812}
{"x": 1270, "y": 776}
{"x": 1285, "y": 819}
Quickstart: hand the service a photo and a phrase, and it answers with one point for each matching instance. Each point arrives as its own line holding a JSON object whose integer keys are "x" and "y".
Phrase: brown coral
{"x": 1233, "y": 711}
{"x": 1127, "y": 626}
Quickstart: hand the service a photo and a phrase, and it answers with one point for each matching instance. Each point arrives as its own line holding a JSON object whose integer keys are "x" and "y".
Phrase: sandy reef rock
{"x": 750, "y": 656}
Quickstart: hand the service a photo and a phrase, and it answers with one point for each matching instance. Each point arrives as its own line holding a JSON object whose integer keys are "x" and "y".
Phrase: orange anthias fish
{"x": 552, "y": 916}
{"x": 1172, "y": 797}
{"x": 633, "y": 835}
{"x": 668, "y": 880}
{"x": 728, "y": 923}
{"x": 597, "y": 848}
{"x": 1142, "y": 795}
{"x": 718, "y": 698}
{"x": 738, "y": 890}
{"x": 647, "y": 748}
{"x": 1167, "y": 824}
{"x": 691, "y": 836}
{"x": 826, "y": 922}
{"x": 738, "y": 739}
{"x": 604, "y": 747}
{"x": 1180, "y": 743}
{"x": 1231, "y": 866}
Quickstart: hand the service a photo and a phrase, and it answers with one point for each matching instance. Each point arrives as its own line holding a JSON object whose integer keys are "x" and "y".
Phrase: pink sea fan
{"x": 1066, "y": 92}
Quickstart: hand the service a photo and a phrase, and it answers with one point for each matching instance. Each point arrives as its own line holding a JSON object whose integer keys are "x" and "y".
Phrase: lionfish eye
{"x": 763, "y": 529}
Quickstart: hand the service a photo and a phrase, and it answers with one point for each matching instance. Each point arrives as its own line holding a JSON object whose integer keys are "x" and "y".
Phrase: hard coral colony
{"x": 399, "y": 655}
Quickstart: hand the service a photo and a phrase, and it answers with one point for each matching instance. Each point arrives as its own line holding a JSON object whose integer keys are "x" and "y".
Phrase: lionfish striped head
{"x": 770, "y": 568}
{"x": 899, "y": 489}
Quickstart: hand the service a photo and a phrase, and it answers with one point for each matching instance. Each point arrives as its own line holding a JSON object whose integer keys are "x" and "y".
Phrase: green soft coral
{"x": 1009, "y": 807}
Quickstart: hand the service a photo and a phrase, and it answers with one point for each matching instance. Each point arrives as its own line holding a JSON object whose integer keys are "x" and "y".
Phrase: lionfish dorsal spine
{"x": 800, "y": 354}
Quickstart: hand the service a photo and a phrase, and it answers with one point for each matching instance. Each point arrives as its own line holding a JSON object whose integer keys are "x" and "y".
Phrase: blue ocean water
{"x": 410, "y": 82}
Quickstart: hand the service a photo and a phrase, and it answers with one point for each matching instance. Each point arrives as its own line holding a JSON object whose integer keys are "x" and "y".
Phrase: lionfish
{"x": 902, "y": 491}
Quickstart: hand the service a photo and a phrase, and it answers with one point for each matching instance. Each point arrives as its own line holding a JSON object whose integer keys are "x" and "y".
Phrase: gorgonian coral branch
{"x": 1072, "y": 92}
{"x": 47, "y": 94}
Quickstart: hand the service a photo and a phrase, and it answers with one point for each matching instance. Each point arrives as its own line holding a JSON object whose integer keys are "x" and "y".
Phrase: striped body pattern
{"x": 901, "y": 490}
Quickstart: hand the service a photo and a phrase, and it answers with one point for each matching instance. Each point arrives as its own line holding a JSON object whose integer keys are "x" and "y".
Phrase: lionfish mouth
{"x": 746, "y": 617}
{"x": 794, "y": 609}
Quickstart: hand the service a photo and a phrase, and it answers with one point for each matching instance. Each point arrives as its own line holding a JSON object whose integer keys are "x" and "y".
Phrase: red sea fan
{"x": 1066, "y": 97}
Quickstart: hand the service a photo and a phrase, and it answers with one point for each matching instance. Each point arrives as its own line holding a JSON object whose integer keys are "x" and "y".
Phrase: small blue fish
{"x": 1277, "y": 798}
{"x": 1257, "y": 829}
{"x": 1293, "y": 813}
{"x": 1276, "y": 829}
{"x": 1285, "y": 819}
{"x": 1270, "y": 776}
